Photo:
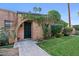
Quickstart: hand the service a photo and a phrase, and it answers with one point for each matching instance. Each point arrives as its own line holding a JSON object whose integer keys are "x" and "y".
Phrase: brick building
{"x": 8, "y": 20}
{"x": 24, "y": 28}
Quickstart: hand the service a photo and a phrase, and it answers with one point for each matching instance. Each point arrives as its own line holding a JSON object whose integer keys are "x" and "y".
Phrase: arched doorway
{"x": 23, "y": 30}
{"x": 27, "y": 29}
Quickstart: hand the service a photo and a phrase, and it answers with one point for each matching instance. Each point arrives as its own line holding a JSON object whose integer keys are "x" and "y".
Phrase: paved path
{"x": 29, "y": 48}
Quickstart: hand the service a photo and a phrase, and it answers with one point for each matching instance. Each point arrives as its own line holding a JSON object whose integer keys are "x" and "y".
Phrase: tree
{"x": 53, "y": 16}
{"x": 63, "y": 23}
{"x": 37, "y": 9}
{"x": 69, "y": 15}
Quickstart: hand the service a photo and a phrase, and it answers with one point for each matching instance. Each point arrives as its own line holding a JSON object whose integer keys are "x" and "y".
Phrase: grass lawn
{"x": 65, "y": 46}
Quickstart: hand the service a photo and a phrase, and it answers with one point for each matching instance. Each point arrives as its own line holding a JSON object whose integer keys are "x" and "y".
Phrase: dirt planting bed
{"x": 9, "y": 52}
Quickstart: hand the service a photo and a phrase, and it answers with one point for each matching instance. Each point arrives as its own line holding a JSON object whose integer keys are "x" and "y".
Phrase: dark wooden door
{"x": 27, "y": 30}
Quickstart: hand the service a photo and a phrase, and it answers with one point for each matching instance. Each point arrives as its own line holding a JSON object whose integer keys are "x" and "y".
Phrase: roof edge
{"x": 7, "y": 10}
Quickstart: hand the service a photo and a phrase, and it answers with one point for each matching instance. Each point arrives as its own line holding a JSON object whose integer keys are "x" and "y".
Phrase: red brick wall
{"x": 8, "y": 15}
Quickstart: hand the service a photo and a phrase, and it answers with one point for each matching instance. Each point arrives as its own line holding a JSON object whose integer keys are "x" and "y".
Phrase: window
{"x": 7, "y": 23}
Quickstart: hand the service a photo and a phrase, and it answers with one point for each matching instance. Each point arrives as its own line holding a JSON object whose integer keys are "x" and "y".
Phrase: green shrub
{"x": 3, "y": 38}
{"x": 67, "y": 31}
{"x": 59, "y": 35}
{"x": 56, "y": 28}
{"x": 62, "y": 22}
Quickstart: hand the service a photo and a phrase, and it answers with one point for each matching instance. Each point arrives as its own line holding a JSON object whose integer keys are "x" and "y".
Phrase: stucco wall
{"x": 21, "y": 33}
{"x": 37, "y": 32}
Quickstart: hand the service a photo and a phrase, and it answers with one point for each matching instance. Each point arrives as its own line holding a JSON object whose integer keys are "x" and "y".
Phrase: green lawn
{"x": 65, "y": 46}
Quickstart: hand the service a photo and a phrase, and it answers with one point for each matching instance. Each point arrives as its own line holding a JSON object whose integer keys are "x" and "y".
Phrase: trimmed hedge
{"x": 67, "y": 31}
{"x": 56, "y": 29}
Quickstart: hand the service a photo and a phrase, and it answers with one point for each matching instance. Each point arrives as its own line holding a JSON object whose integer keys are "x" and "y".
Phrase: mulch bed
{"x": 9, "y": 52}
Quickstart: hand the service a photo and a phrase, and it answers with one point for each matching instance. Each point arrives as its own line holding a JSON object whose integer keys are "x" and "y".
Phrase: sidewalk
{"x": 29, "y": 48}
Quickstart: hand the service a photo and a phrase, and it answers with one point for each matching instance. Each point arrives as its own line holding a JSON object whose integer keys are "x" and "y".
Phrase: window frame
{"x": 7, "y": 24}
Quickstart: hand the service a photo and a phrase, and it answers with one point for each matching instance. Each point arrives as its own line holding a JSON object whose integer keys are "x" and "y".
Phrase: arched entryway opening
{"x": 28, "y": 29}
{"x": 23, "y": 30}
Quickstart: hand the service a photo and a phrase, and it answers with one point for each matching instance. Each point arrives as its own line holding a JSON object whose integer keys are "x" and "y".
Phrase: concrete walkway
{"x": 29, "y": 48}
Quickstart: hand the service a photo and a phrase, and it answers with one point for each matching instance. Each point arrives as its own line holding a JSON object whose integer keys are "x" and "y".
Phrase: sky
{"x": 60, "y": 7}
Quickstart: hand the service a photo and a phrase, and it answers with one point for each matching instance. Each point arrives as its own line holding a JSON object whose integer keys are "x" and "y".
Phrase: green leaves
{"x": 62, "y": 22}
{"x": 3, "y": 37}
{"x": 36, "y": 17}
{"x": 54, "y": 15}
{"x": 56, "y": 28}
{"x": 37, "y": 9}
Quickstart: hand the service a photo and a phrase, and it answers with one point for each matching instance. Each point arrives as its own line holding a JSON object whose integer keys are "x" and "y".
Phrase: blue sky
{"x": 60, "y": 7}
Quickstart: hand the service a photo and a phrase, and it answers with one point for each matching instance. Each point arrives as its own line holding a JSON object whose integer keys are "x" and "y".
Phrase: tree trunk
{"x": 69, "y": 15}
